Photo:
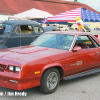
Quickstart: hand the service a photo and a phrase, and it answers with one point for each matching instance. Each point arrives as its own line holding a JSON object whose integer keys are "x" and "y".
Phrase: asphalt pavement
{"x": 84, "y": 88}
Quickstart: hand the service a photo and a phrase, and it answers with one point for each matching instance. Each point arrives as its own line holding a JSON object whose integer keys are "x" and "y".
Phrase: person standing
{"x": 79, "y": 22}
{"x": 98, "y": 27}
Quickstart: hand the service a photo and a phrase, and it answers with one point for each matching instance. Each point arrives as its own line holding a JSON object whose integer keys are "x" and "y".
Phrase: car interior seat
{"x": 82, "y": 45}
{"x": 25, "y": 29}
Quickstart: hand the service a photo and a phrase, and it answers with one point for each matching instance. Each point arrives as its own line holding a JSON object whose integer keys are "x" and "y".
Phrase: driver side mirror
{"x": 77, "y": 48}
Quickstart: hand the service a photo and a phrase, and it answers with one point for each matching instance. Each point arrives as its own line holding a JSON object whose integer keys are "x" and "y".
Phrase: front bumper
{"x": 19, "y": 84}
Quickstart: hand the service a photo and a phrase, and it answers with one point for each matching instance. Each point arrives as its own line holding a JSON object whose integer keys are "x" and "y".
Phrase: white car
{"x": 64, "y": 28}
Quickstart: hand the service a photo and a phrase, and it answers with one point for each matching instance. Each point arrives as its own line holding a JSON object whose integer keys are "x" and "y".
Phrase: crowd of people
{"x": 97, "y": 28}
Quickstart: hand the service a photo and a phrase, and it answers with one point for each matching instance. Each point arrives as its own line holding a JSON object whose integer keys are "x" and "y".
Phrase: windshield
{"x": 58, "y": 41}
{"x": 5, "y": 28}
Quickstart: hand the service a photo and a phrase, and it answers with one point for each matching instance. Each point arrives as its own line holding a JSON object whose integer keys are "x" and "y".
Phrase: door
{"x": 85, "y": 59}
{"x": 22, "y": 35}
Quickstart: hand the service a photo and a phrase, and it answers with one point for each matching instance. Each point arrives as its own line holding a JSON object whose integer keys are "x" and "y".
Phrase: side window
{"x": 17, "y": 29}
{"x": 85, "y": 42}
{"x": 24, "y": 29}
{"x": 94, "y": 42}
{"x": 38, "y": 30}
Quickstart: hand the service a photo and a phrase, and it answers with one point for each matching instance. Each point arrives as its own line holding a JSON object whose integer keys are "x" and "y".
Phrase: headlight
{"x": 17, "y": 69}
{"x": 11, "y": 68}
{"x": 14, "y": 68}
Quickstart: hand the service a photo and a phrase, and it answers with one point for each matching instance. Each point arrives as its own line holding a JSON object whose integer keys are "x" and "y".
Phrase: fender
{"x": 50, "y": 66}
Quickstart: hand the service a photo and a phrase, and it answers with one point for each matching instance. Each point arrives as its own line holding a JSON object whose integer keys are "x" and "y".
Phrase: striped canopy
{"x": 70, "y": 16}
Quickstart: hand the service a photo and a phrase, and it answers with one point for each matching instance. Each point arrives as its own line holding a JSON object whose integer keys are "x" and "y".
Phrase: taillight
{"x": 96, "y": 36}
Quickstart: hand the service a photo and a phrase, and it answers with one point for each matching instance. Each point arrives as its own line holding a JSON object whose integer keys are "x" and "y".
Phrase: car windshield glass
{"x": 58, "y": 41}
{"x": 7, "y": 28}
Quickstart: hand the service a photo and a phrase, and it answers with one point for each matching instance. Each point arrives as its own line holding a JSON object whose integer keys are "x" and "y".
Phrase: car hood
{"x": 28, "y": 53}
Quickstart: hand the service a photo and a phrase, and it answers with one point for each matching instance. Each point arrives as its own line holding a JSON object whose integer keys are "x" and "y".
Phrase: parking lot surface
{"x": 84, "y": 88}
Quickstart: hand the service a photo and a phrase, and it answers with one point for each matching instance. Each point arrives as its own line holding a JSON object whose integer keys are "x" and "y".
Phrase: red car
{"x": 50, "y": 58}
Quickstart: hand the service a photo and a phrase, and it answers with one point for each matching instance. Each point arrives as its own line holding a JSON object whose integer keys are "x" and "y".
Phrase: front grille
{"x": 3, "y": 67}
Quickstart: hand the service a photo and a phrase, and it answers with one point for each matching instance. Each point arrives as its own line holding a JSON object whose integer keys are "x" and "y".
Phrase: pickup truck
{"x": 58, "y": 56}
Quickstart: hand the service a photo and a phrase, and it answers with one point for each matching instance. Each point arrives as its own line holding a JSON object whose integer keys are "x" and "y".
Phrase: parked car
{"x": 50, "y": 28}
{"x": 87, "y": 28}
{"x": 15, "y": 33}
{"x": 53, "y": 56}
{"x": 64, "y": 28}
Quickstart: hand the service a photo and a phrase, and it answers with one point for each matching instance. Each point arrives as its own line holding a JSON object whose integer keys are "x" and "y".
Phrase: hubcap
{"x": 52, "y": 80}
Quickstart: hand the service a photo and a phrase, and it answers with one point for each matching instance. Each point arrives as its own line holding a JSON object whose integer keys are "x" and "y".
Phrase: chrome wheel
{"x": 52, "y": 80}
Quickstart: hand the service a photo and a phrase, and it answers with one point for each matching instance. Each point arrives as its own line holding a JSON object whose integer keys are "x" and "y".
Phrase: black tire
{"x": 48, "y": 84}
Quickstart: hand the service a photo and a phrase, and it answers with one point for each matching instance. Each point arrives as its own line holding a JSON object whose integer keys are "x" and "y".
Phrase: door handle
{"x": 97, "y": 52}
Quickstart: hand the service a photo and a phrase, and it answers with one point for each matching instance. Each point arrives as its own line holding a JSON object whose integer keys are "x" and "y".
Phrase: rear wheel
{"x": 50, "y": 81}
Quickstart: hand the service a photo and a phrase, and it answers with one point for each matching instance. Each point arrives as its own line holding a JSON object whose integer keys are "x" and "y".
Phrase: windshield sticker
{"x": 66, "y": 47}
{"x": 78, "y": 38}
{"x": 70, "y": 37}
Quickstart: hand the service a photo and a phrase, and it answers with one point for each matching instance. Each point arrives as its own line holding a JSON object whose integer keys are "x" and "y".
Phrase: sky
{"x": 95, "y": 4}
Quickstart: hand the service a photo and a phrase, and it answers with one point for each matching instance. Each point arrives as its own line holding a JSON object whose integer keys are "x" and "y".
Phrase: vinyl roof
{"x": 19, "y": 22}
{"x": 52, "y": 6}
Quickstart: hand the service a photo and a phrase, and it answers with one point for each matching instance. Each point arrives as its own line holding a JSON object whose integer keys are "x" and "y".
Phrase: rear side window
{"x": 17, "y": 29}
{"x": 38, "y": 30}
{"x": 23, "y": 29}
{"x": 94, "y": 42}
{"x": 86, "y": 42}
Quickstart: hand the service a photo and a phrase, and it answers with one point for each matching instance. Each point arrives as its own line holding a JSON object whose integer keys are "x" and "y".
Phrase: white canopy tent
{"x": 3, "y": 17}
{"x": 31, "y": 14}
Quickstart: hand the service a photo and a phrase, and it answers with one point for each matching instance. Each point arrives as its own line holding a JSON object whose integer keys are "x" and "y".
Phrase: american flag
{"x": 89, "y": 16}
{"x": 45, "y": 20}
{"x": 70, "y": 16}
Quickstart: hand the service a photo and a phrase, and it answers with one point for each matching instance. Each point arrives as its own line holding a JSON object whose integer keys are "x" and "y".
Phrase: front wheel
{"x": 50, "y": 81}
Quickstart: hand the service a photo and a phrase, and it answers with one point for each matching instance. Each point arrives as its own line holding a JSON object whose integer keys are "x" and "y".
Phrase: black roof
{"x": 20, "y": 22}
